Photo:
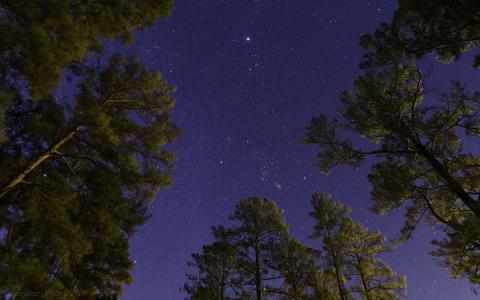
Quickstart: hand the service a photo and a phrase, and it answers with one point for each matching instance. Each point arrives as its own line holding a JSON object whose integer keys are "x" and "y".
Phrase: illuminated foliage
{"x": 417, "y": 143}
{"x": 351, "y": 254}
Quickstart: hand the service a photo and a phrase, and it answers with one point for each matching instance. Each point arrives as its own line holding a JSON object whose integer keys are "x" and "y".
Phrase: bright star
{"x": 248, "y": 38}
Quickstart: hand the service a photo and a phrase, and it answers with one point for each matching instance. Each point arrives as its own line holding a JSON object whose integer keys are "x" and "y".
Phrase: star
{"x": 236, "y": 102}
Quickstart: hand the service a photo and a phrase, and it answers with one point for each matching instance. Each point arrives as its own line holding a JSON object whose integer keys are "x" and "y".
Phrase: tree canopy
{"x": 421, "y": 162}
{"x": 42, "y": 37}
{"x": 447, "y": 28}
{"x": 78, "y": 174}
{"x": 351, "y": 254}
{"x": 79, "y": 180}
{"x": 264, "y": 261}
{"x": 257, "y": 258}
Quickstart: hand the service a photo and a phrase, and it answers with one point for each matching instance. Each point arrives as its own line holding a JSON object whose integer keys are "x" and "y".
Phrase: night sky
{"x": 250, "y": 74}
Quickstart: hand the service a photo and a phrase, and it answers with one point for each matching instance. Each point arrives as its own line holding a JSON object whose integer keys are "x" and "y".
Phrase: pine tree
{"x": 262, "y": 228}
{"x": 319, "y": 285}
{"x": 302, "y": 276}
{"x": 215, "y": 273}
{"x": 422, "y": 164}
{"x": 370, "y": 277}
{"x": 290, "y": 259}
{"x": 41, "y": 37}
{"x": 329, "y": 216}
{"x": 351, "y": 252}
{"x": 446, "y": 28}
{"x": 257, "y": 258}
{"x": 459, "y": 250}
{"x": 78, "y": 181}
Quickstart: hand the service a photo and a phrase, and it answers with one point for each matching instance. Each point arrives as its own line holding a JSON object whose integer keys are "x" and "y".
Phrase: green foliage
{"x": 444, "y": 27}
{"x": 67, "y": 224}
{"x": 40, "y": 38}
{"x": 323, "y": 131}
{"x": 302, "y": 276}
{"x": 460, "y": 250}
{"x": 351, "y": 254}
{"x": 420, "y": 161}
{"x": 262, "y": 228}
{"x": 215, "y": 277}
{"x": 374, "y": 279}
{"x": 329, "y": 217}
{"x": 256, "y": 259}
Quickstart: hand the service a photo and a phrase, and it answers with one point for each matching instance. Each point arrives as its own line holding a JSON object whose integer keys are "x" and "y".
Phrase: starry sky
{"x": 250, "y": 74}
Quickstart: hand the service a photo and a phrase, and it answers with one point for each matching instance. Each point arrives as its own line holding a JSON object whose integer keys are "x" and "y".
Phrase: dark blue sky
{"x": 250, "y": 74}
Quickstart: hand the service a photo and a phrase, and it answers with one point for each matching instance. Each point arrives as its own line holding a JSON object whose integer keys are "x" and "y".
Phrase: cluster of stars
{"x": 242, "y": 77}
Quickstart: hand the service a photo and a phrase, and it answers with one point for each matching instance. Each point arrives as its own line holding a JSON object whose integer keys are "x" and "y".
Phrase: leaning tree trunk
{"x": 19, "y": 178}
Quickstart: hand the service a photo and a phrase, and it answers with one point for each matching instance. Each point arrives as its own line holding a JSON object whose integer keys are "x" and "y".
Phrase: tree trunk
{"x": 258, "y": 274}
{"x": 453, "y": 185}
{"x": 362, "y": 276}
{"x": 365, "y": 287}
{"x": 31, "y": 167}
{"x": 337, "y": 274}
{"x": 337, "y": 271}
